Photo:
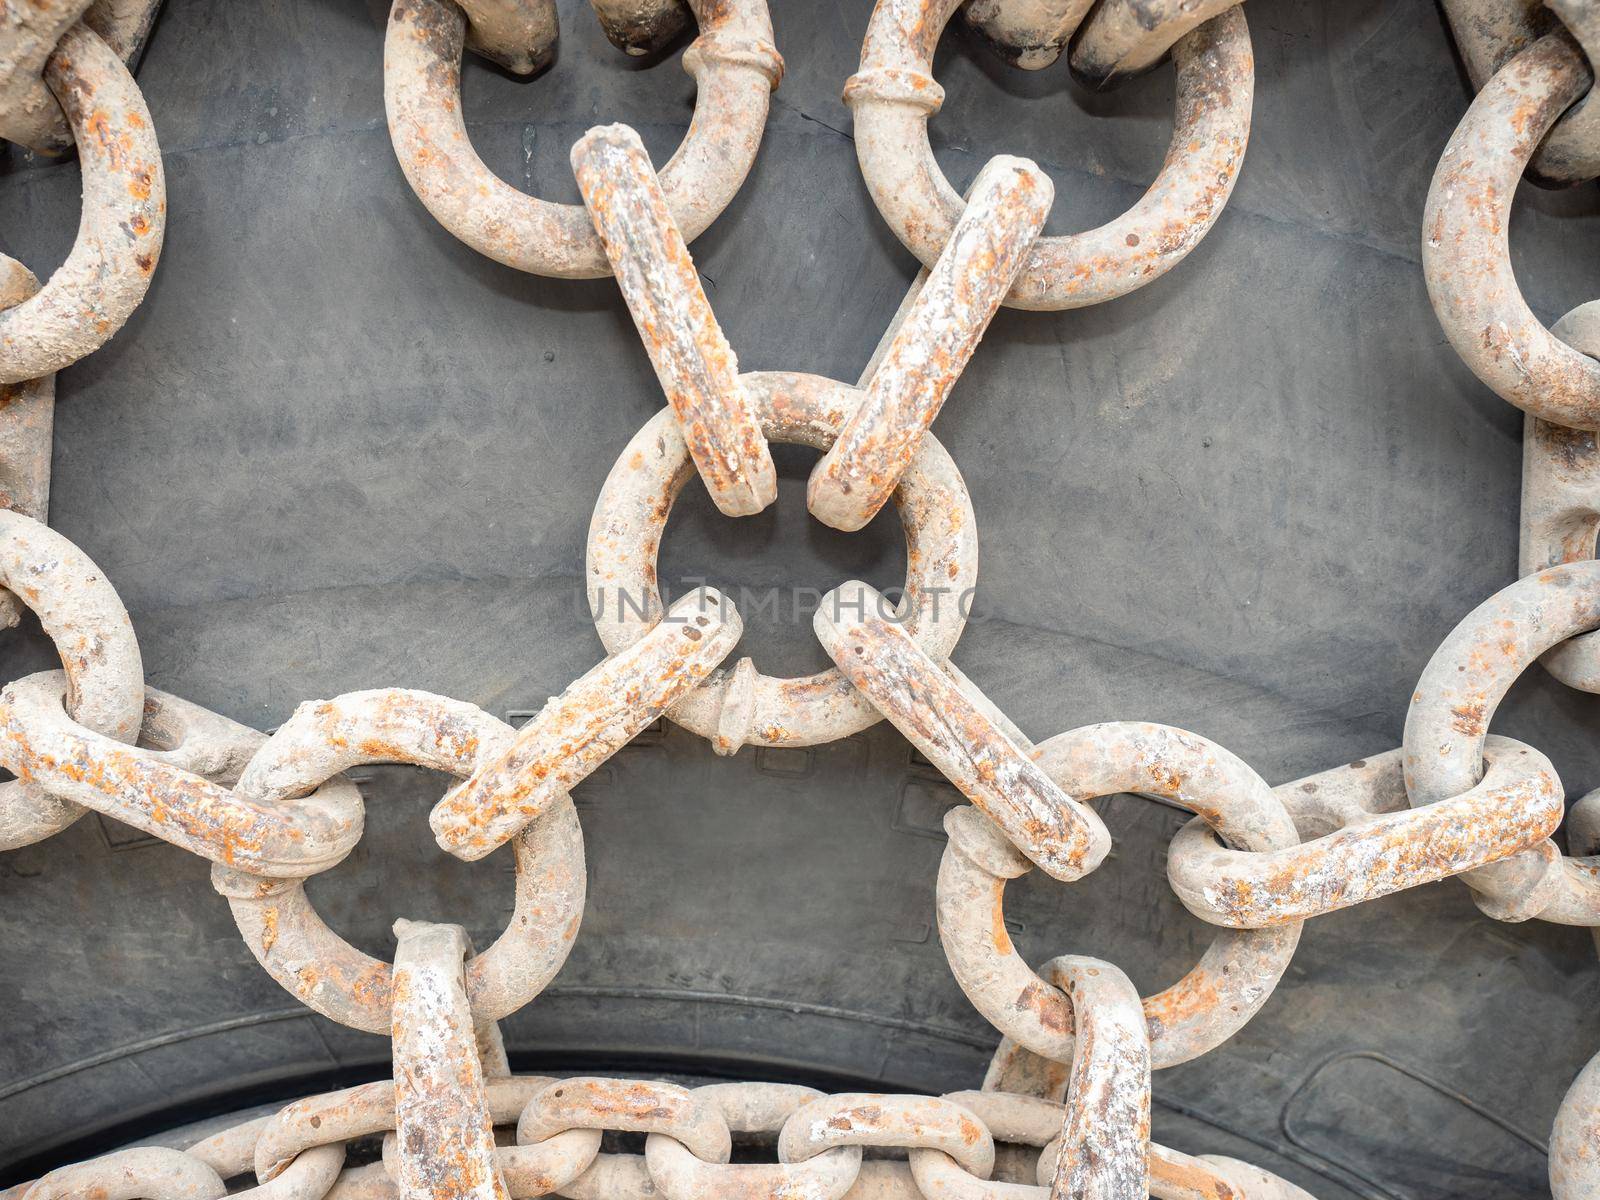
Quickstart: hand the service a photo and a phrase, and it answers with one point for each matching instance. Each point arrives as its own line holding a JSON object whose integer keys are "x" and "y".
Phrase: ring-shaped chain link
{"x": 743, "y": 706}
{"x": 121, "y": 225}
{"x": 735, "y": 66}
{"x": 327, "y": 974}
{"x": 894, "y": 94}
{"x": 1234, "y": 977}
{"x": 1454, "y": 702}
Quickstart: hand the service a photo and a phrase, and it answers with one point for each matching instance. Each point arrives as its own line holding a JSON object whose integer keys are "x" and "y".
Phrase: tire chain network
{"x": 1065, "y": 1106}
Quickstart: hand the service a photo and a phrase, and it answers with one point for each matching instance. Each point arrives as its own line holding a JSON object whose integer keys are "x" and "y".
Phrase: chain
{"x": 1065, "y": 1106}
{"x": 933, "y": 1146}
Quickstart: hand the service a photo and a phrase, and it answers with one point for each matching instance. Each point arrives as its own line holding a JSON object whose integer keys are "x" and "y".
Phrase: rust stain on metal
{"x": 1106, "y": 1127}
{"x": 290, "y": 939}
{"x": 1234, "y": 977}
{"x": 628, "y": 1105}
{"x": 444, "y": 1133}
{"x": 894, "y": 94}
{"x": 934, "y": 341}
{"x": 698, "y": 370}
{"x": 735, "y": 67}
{"x": 1063, "y": 837}
{"x": 744, "y": 707}
{"x": 1466, "y": 256}
{"x": 83, "y": 616}
{"x": 1379, "y": 848}
{"x": 870, "y": 1119}
{"x": 589, "y": 722}
{"x": 1470, "y": 673}
{"x": 123, "y": 219}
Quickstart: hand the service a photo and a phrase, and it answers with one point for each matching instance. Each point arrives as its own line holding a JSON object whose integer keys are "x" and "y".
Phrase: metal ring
{"x": 894, "y": 94}
{"x": 1234, "y": 977}
{"x": 1574, "y": 1170}
{"x": 327, "y": 974}
{"x": 735, "y": 66}
{"x": 1451, "y": 708}
{"x": 84, "y": 617}
{"x": 124, "y": 216}
{"x": 743, "y": 706}
{"x": 1490, "y": 33}
{"x": 1466, "y": 255}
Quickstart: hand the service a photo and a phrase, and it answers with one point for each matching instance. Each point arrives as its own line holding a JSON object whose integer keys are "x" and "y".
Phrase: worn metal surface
{"x": 27, "y": 416}
{"x": 1490, "y": 33}
{"x": 124, "y": 24}
{"x": 930, "y": 343}
{"x": 735, "y": 67}
{"x": 88, "y": 627}
{"x": 139, "y": 1174}
{"x": 520, "y": 35}
{"x": 1237, "y": 972}
{"x": 1029, "y": 34}
{"x": 291, "y": 941}
{"x": 894, "y": 94}
{"x": 1451, "y": 709}
{"x": 1103, "y": 1152}
{"x": 1011, "y": 660}
{"x": 862, "y": 633}
{"x": 45, "y": 748}
{"x": 631, "y": 1106}
{"x": 936, "y": 1147}
{"x": 29, "y": 114}
{"x": 123, "y": 220}
{"x": 1123, "y": 37}
{"x": 642, "y": 27}
{"x": 1561, "y": 501}
{"x": 1365, "y": 842}
{"x": 443, "y": 1131}
{"x": 870, "y": 1119}
{"x": 1465, "y": 240}
{"x": 589, "y": 722}
{"x": 698, "y": 369}
{"x": 746, "y": 707}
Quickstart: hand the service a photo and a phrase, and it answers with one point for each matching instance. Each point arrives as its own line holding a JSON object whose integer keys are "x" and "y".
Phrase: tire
{"x": 336, "y": 449}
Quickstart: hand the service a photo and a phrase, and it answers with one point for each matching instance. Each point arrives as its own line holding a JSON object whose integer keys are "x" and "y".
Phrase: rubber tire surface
{"x": 335, "y": 449}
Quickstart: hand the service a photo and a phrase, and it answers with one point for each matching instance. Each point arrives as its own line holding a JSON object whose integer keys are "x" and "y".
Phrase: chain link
{"x": 1065, "y": 1108}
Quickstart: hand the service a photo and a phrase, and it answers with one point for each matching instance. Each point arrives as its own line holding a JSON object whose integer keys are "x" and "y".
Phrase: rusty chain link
{"x": 1068, "y": 1093}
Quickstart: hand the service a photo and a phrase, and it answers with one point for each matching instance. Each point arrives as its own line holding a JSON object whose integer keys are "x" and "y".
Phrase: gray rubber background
{"x": 335, "y": 449}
